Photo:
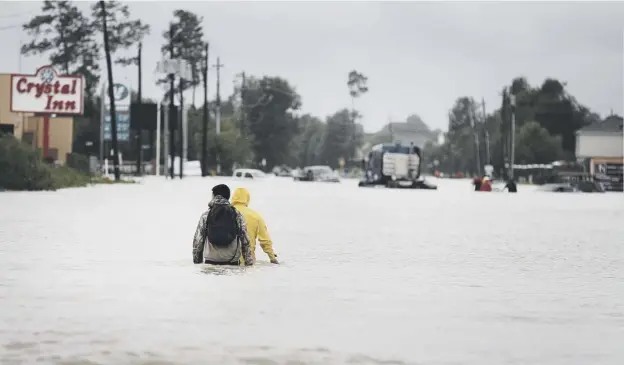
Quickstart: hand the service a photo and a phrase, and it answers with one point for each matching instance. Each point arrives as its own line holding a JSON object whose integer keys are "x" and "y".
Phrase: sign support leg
{"x": 46, "y": 134}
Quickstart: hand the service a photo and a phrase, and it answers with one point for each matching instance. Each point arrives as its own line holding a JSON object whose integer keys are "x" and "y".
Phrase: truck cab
{"x": 394, "y": 166}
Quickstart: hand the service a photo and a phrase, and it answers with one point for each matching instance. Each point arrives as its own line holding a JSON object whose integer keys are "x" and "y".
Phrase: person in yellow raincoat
{"x": 256, "y": 228}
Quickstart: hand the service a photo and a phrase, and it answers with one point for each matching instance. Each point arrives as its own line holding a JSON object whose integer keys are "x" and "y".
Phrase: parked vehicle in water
{"x": 283, "y": 171}
{"x": 248, "y": 174}
{"x": 573, "y": 187}
{"x": 317, "y": 173}
{"x": 394, "y": 166}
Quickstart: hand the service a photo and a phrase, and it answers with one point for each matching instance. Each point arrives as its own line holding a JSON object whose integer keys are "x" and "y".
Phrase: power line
{"x": 11, "y": 27}
{"x": 17, "y": 14}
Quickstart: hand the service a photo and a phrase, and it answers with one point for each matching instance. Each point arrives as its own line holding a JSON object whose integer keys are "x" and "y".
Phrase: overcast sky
{"x": 419, "y": 56}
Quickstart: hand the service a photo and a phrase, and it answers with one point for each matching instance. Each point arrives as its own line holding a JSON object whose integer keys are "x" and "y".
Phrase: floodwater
{"x": 104, "y": 275}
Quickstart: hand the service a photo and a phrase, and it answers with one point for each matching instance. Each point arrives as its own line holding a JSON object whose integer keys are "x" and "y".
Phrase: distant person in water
{"x": 477, "y": 183}
{"x": 221, "y": 236}
{"x": 486, "y": 184}
{"x": 256, "y": 228}
{"x": 511, "y": 186}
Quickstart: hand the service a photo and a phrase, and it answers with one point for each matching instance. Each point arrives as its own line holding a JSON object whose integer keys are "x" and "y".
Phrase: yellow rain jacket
{"x": 256, "y": 228}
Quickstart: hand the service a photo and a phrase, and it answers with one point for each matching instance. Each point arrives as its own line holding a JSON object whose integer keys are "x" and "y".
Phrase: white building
{"x": 602, "y": 145}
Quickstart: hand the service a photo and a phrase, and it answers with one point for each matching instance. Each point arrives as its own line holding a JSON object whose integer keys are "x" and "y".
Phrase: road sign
{"x": 121, "y": 94}
{"x": 123, "y": 126}
{"x": 176, "y": 66}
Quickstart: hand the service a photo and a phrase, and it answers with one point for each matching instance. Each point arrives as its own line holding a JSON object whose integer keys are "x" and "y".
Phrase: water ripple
{"x": 368, "y": 276}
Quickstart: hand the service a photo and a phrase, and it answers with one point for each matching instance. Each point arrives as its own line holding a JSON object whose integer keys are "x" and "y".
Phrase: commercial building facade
{"x": 29, "y": 127}
{"x": 601, "y": 145}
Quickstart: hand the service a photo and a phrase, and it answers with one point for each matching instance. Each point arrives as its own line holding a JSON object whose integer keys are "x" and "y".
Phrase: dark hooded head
{"x": 222, "y": 190}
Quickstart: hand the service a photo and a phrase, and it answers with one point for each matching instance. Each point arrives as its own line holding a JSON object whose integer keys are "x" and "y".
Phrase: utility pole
{"x": 204, "y": 160}
{"x": 476, "y": 138}
{"x": 505, "y": 134}
{"x": 512, "y": 98}
{"x": 243, "y": 126}
{"x": 487, "y": 134}
{"x": 111, "y": 94}
{"x": 181, "y": 125}
{"x": 218, "y": 112}
{"x": 172, "y": 113}
{"x": 139, "y": 130}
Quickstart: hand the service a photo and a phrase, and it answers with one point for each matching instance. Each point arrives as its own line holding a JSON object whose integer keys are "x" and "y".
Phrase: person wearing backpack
{"x": 256, "y": 228}
{"x": 221, "y": 236}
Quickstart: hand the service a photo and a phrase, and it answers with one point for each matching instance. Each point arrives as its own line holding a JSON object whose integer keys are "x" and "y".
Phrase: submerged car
{"x": 317, "y": 173}
{"x": 573, "y": 187}
{"x": 248, "y": 174}
{"x": 283, "y": 171}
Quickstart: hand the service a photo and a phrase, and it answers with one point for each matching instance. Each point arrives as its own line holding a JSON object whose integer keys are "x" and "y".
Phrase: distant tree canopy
{"x": 185, "y": 34}
{"x": 73, "y": 42}
{"x": 546, "y": 117}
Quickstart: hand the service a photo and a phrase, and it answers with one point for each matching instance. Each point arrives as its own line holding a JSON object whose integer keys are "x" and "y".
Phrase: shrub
{"x": 21, "y": 167}
{"x": 64, "y": 177}
{"x": 79, "y": 162}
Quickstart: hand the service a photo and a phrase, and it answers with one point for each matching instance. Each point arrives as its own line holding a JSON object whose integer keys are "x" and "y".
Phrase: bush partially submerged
{"x": 63, "y": 177}
{"x": 21, "y": 168}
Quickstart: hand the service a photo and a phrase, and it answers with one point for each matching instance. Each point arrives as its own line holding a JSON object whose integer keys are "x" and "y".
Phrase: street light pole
{"x": 204, "y": 161}
{"x": 172, "y": 114}
{"x": 512, "y": 99}
{"x": 218, "y": 112}
{"x": 476, "y": 139}
{"x": 487, "y": 135}
{"x": 243, "y": 114}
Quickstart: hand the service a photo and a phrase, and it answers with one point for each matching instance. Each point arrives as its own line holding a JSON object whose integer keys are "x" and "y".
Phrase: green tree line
{"x": 546, "y": 120}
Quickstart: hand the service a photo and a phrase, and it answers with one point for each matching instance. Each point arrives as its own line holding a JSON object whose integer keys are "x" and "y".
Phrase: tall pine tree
{"x": 66, "y": 35}
{"x": 188, "y": 45}
{"x": 123, "y": 32}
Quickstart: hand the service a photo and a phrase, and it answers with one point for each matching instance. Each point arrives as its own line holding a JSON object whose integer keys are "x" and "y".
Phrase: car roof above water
{"x": 251, "y": 171}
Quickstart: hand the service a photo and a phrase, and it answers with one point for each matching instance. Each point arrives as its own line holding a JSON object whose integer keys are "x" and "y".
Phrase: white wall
{"x": 599, "y": 145}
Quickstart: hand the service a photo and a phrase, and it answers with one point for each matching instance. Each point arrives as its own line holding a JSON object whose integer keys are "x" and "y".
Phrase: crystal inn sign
{"x": 46, "y": 92}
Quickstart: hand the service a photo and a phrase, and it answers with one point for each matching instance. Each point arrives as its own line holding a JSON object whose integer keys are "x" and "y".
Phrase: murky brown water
{"x": 103, "y": 275}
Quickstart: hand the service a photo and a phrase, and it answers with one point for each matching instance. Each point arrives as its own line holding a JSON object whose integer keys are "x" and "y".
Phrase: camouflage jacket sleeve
{"x": 199, "y": 240}
{"x": 244, "y": 240}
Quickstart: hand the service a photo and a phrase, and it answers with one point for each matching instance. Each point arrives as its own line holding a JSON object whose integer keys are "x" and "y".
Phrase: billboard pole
{"x": 181, "y": 126}
{"x": 158, "y": 116}
{"x": 102, "y": 121}
{"x": 172, "y": 113}
{"x": 139, "y": 130}
{"x": 111, "y": 95}
{"x": 46, "y": 134}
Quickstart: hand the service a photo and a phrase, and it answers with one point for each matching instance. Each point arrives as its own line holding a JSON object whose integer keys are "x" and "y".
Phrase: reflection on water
{"x": 369, "y": 276}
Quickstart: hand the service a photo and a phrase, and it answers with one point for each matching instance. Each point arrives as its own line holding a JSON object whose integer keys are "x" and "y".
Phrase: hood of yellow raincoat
{"x": 241, "y": 196}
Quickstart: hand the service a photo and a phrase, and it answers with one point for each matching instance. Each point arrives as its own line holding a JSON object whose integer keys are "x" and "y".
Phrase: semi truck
{"x": 394, "y": 166}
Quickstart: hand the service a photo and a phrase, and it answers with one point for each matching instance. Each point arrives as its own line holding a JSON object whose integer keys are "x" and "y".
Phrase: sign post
{"x": 122, "y": 110}
{"x": 45, "y": 93}
{"x": 174, "y": 67}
